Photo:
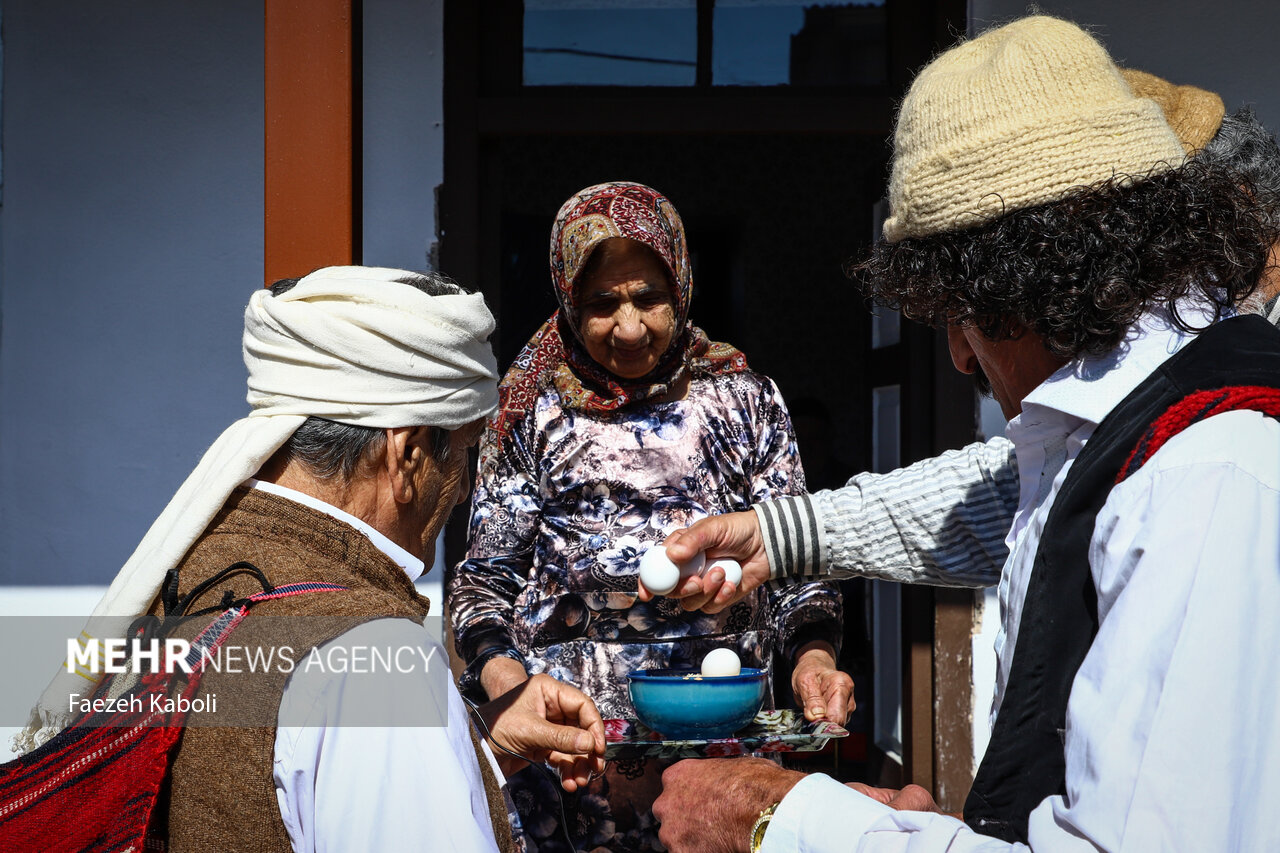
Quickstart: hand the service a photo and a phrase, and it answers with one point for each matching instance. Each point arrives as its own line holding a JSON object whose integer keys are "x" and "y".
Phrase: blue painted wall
{"x": 131, "y": 237}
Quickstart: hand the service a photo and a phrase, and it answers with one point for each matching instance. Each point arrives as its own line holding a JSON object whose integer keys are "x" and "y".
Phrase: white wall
{"x": 1226, "y": 47}
{"x": 131, "y": 237}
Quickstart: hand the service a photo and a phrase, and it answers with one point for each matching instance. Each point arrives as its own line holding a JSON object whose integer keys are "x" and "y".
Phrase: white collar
{"x": 413, "y": 567}
{"x": 1087, "y": 389}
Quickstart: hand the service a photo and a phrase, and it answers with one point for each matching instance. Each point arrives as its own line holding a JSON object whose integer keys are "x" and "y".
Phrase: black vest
{"x": 1025, "y": 762}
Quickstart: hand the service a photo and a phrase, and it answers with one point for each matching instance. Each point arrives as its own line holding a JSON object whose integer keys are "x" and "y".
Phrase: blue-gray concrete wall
{"x": 403, "y": 129}
{"x": 131, "y": 234}
{"x": 131, "y": 237}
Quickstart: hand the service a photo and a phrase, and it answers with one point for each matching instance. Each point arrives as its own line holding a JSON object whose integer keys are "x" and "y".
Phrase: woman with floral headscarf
{"x": 618, "y": 423}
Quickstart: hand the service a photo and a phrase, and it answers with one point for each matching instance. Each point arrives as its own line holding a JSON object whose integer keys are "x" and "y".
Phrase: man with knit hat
{"x": 366, "y": 388}
{"x": 962, "y": 502}
{"x": 1046, "y": 217}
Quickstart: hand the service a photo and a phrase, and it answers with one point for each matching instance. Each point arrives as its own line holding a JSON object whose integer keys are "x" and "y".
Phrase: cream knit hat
{"x": 1020, "y": 116}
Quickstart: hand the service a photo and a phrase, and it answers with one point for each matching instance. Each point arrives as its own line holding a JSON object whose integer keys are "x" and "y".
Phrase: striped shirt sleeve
{"x": 941, "y": 521}
{"x": 793, "y": 537}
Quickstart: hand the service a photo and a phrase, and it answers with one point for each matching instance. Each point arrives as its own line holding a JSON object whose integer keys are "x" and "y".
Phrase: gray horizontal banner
{"x": 384, "y": 674}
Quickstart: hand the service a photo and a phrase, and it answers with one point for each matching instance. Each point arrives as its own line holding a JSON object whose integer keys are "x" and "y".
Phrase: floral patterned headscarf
{"x": 555, "y": 352}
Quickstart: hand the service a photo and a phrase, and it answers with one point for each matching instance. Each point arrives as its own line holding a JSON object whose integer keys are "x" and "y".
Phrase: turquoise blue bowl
{"x": 685, "y": 705}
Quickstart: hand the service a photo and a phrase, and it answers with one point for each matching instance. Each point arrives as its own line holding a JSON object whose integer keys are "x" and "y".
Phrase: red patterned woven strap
{"x": 295, "y": 589}
{"x": 203, "y": 647}
{"x": 1195, "y": 408}
{"x": 94, "y": 786}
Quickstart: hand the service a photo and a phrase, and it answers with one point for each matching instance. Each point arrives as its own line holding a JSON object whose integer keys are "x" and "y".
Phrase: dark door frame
{"x": 484, "y": 100}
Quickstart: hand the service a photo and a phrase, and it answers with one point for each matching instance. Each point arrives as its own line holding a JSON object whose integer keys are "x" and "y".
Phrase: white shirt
{"x": 398, "y": 786}
{"x": 1171, "y": 740}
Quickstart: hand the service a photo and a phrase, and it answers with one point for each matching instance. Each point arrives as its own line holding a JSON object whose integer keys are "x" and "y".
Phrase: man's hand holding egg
{"x": 733, "y": 538}
{"x": 660, "y": 575}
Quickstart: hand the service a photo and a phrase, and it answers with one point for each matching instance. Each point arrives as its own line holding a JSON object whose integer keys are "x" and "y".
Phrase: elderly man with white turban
{"x": 367, "y": 386}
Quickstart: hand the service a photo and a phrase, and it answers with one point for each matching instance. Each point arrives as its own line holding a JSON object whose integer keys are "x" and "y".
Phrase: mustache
{"x": 982, "y": 382}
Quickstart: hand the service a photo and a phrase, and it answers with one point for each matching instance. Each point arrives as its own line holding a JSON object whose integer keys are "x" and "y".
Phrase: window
{"x": 798, "y": 43}
{"x": 620, "y": 43}
{"x": 730, "y": 43}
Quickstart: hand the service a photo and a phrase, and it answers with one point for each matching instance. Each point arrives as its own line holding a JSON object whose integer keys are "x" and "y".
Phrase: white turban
{"x": 350, "y": 344}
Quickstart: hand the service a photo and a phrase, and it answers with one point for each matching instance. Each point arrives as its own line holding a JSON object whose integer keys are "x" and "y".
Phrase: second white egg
{"x": 721, "y": 662}
{"x": 732, "y": 569}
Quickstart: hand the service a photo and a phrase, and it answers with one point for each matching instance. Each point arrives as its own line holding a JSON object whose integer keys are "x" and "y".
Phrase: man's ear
{"x": 408, "y": 449}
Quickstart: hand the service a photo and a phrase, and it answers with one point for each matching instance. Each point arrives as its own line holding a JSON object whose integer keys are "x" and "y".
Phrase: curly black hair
{"x": 1080, "y": 271}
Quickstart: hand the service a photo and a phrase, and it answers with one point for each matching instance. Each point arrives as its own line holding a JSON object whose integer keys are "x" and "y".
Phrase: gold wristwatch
{"x": 761, "y": 824}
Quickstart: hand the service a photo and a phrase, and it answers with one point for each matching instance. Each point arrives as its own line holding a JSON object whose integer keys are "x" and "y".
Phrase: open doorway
{"x": 766, "y": 124}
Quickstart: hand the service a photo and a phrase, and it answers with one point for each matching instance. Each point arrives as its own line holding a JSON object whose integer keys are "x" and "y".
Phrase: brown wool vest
{"x": 222, "y": 796}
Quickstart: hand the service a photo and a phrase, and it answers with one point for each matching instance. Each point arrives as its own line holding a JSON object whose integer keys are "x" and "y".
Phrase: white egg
{"x": 721, "y": 662}
{"x": 732, "y": 569}
{"x": 660, "y": 575}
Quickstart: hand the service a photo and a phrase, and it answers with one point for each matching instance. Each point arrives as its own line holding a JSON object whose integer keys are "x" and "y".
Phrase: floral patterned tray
{"x": 771, "y": 731}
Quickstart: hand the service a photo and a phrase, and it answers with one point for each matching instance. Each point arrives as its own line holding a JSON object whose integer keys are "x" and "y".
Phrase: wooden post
{"x": 917, "y": 686}
{"x": 953, "y": 696}
{"x": 312, "y": 174}
{"x": 953, "y": 608}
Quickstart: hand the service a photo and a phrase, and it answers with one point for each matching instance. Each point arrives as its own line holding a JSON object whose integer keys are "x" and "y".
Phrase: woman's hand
{"x": 500, "y": 675}
{"x": 825, "y": 692}
{"x": 547, "y": 720}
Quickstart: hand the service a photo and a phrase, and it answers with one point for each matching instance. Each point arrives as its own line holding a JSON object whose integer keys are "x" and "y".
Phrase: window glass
{"x": 886, "y": 603}
{"x": 886, "y": 425}
{"x": 886, "y": 324}
{"x": 886, "y": 639}
{"x": 886, "y": 327}
{"x": 616, "y": 43}
{"x": 799, "y": 43}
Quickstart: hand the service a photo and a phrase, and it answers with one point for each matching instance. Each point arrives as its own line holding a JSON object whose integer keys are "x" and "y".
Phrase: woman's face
{"x": 626, "y": 308}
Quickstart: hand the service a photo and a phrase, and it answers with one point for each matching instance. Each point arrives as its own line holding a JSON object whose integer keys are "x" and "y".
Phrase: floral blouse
{"x": 562, "y": 514}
